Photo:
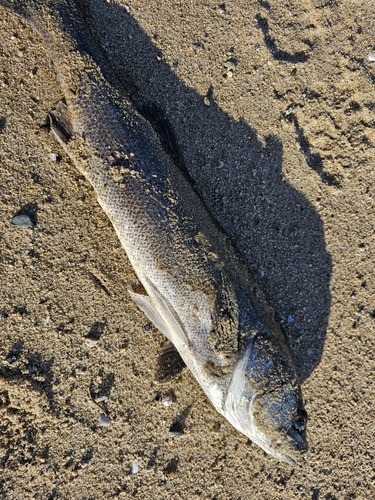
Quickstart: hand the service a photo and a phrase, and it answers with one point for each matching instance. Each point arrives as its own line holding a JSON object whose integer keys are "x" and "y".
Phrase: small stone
{"x": 104, "y": 421}
{"x": 289, "y": 319}
{"x": 55, "y": 157}
{"x": 127, "y": 8}
{"x": 221, "y": 8}
{"x": 91, "y": 342}
{"x": 230, "y": 74}
{"x": 206, "y": 101}
{"x": 230, "y": 65}
{"x": 167, "y": 400}
{"x": 310, "y": 351}
{"x": 135, "y": 467}
{"x": 22, "y": 220}
{"x": 100, "y": 399}
{"x": 257, "y": 47}
{"x": 216, "y": 427}
{"x": 371, "y": 56}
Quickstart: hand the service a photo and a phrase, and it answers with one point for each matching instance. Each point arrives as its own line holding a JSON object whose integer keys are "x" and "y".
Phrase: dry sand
{"x": 283, "y": 157}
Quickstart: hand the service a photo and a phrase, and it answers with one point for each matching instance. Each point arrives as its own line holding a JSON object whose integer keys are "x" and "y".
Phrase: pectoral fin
{"x": 144, "y": 304}
{"x": 161, "y": 313}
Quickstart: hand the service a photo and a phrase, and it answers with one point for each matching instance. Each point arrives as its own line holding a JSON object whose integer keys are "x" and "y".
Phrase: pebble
{"x": 371, "y": 56}
{"x": 21, "y": 221}
{"x": 91, "y": 342}
{"x": 289, "y": 319}
{"x": 100, "y": 399}
{"x": 206, "y": 101}
{"x": 55, "y": 157}
{"x": 135, "y": 467}
{"x": 104, "y": 421}
{"x": 216, "y": 427}
{"x": 167, "y": 400}
{"x": 230, "y": 65}
{"x": 310, "y": 351}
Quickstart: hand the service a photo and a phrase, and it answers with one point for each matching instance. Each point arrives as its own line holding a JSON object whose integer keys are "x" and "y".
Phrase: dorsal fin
{"x": 163, "y": 128}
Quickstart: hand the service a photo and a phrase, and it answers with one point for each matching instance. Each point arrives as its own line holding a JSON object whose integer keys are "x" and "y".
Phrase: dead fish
{"x": 200, "y": 294}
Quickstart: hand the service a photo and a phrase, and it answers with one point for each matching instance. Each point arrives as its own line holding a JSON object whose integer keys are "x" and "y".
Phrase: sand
{"x": 273, "y": 107}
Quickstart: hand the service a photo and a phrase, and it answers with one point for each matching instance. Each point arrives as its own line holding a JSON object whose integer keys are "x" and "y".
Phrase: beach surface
{"x": 273, "y": 107}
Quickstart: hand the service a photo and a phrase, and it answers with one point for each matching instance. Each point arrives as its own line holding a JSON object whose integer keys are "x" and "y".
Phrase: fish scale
{"x": 199, "y": 292}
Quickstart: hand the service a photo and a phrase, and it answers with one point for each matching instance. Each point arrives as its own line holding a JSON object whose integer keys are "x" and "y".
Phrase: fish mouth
{"x": 288, "y": 445}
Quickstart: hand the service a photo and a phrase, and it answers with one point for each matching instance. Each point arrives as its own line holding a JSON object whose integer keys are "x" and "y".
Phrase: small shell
{"x": 135, "y": 467}
{"x": 22, "y": 220}
{"x": 167, "y": 400}
{"x": 104, "y": 421}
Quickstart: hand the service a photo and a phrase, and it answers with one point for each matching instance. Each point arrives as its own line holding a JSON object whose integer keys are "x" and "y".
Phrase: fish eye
{"x": 300, "y": 421}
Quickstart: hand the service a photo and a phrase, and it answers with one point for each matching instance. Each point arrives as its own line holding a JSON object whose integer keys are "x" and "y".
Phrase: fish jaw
{"x": 269, "y": 412}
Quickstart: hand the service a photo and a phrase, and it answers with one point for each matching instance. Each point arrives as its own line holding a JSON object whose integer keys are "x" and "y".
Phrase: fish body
{"x": 199, "y": 293}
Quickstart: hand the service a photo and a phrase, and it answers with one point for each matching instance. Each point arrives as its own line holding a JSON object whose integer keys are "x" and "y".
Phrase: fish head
{"x": 264, "y": 399}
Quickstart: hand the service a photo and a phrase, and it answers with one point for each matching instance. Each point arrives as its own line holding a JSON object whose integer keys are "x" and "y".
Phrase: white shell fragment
{"x": 135, "y": 467}
{"x": 167, "y": 400}
{"x": 104, "y": 421}
{"x": 371, "y": 56}
{"x": 100, "y": 399}
{"x": 21, "y": 221}
{"x": 230, "y": 65}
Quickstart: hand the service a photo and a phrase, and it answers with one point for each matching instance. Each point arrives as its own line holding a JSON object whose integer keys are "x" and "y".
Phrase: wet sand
{"x": 273, "y": 108}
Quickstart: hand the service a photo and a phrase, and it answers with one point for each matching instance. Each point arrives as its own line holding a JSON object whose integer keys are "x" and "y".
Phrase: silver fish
{"x": 200, "y": 295}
